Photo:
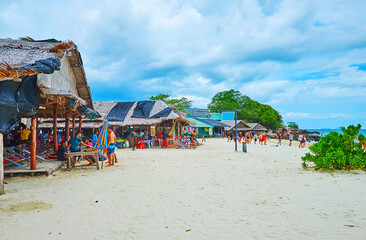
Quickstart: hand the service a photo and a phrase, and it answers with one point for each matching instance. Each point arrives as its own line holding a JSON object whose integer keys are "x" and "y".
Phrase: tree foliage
{"x": 179, "y": 103}
{"x": 338, "y": 150}
{"x": 248, "y": 109}
{"x": 293, "y": 125}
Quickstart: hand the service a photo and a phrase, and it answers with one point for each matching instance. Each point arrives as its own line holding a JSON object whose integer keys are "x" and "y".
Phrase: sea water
{"x": 325, "y": 131}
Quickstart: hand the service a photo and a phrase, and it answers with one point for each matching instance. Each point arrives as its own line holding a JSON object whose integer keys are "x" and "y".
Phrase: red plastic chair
{"x": 141, "y": 144}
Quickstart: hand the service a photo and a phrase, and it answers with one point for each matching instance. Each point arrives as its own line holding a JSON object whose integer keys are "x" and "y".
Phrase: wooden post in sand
{"x": 1, "y": 165}
{"x": 73, "y": 126}
{"x": 67, "y": 126}
{"x": 179, "y": 130}
{"x": 55, "y": 127}
{"x": 80, "y": 122}
{"x": 33, "y": 145}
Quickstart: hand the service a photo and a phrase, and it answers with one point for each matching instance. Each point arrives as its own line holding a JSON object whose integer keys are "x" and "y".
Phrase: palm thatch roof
{"x": 105, "y": 107}
{"x": 18, "y": 53}
{"x": 20, "y": 58}
{"x": 257, "y": 127}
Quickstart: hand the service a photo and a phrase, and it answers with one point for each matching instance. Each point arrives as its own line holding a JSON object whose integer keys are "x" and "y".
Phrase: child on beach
{"x": 255, "y": 138}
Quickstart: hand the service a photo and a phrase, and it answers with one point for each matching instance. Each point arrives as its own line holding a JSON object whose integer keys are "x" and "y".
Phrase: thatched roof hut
{"x": 257, "y": 127}
{"x": 58, "y": 68}
{"x": 106, "y": 108}
{"x": 241, "y": 125}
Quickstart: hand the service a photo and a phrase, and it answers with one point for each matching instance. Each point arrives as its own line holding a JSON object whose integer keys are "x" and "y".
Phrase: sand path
{"x": 208, "y": 193}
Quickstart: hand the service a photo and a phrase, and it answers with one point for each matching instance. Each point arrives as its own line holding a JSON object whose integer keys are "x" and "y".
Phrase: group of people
{"x": 248, "y": 137}
{"x": 77, "y": 141}
{"x": 261, "y": 138}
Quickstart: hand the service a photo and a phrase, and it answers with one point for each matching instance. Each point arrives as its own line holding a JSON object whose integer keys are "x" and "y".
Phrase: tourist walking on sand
{"x": 300, "y": 137}
{"x": 302, "y": 141}
{"x": 247, "y": 137}
{"x": 290, "y": 137}
{"x": 111, "y": 145}
{"x": 279, "y": 139}
{"x": 255, "y": 138}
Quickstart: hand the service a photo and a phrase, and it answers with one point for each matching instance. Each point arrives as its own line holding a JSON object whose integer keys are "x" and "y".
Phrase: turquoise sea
{"x": 325, "y": 131}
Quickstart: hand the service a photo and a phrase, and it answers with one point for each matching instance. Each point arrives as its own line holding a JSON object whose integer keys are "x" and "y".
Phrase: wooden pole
{"x": 1, "y": 165}
{"x": 73, "y": 125}
{"x": 173, "y": 130}
{"x": 67, "y": 126}
{"x": 179, "y": 128}
{"x": 55, "y": 127}
{"x": 33, "y": 145}
{"x": 80, "y": 122}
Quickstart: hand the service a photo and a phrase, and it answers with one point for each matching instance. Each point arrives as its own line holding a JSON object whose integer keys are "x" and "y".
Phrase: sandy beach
{"x": 211, "y": 192}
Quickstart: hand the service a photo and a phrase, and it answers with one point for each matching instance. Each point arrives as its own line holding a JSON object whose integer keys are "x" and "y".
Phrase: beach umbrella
{"x": 103, "y": 137}
{"x": 102, "y": 141}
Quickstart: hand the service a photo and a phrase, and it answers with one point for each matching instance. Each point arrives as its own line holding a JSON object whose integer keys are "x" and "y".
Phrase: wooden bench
{"x": 71, "y": 155}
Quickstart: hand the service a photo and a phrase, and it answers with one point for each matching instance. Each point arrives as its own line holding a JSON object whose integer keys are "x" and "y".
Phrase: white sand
{"x": 215, "y": 192}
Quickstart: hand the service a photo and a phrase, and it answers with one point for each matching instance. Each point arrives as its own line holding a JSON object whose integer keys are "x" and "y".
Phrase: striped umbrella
{"x": 103, "y": 137}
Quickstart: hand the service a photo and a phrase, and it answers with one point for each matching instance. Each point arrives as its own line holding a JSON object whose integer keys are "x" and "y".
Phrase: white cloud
{"x": 199, "y": 47}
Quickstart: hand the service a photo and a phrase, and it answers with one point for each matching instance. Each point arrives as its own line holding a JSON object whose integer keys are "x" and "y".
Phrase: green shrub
{"x": 338, "y": 150}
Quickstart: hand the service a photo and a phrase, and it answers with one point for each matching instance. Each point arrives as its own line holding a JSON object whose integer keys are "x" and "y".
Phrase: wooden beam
{"x": 55, "y": 127}
{"x": 1, "y": 165}
{"x": 33, "y": 146}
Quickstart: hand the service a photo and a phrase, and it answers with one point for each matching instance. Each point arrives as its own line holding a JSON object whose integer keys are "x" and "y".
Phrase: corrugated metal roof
{"x": 212, "y": 122}
{"x": 216, "y": 116}
{"x": 198, "y": 123}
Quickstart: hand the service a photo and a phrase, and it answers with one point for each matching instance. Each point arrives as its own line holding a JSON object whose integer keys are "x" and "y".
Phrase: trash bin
{"x": 244, "y": 147}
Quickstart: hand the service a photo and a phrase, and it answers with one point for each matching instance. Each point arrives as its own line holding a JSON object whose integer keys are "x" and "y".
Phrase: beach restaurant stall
{"x": 136, "y": 116}
{"x": 206, "y": 125}
{"x": 39, "y": 79}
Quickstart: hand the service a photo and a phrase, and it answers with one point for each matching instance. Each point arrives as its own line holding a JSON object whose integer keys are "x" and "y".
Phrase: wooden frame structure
{"x": 67, "y": 84}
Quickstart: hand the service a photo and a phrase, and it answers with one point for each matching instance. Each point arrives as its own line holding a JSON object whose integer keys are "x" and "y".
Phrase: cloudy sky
{"x": 304, "y": 58}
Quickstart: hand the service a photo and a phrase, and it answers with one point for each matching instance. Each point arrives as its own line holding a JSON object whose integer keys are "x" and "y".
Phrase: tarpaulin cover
{"x": 71, "y": 103}
{"x": 85, "y": 111}
{"x": 119, "y": 111}
{"x": 143, "y": 109}
{"x": 163, "y": 113}
{"x": 17, "y": 100}
{"x": 46, "y": 66}
{"x": 212, "y": 122}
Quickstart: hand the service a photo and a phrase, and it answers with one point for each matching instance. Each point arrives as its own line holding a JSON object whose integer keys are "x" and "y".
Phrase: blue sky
{"x": 307, "y": 59}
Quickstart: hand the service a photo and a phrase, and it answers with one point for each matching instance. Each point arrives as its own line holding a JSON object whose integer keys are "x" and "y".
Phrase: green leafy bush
{"x": 338, "y": 150}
